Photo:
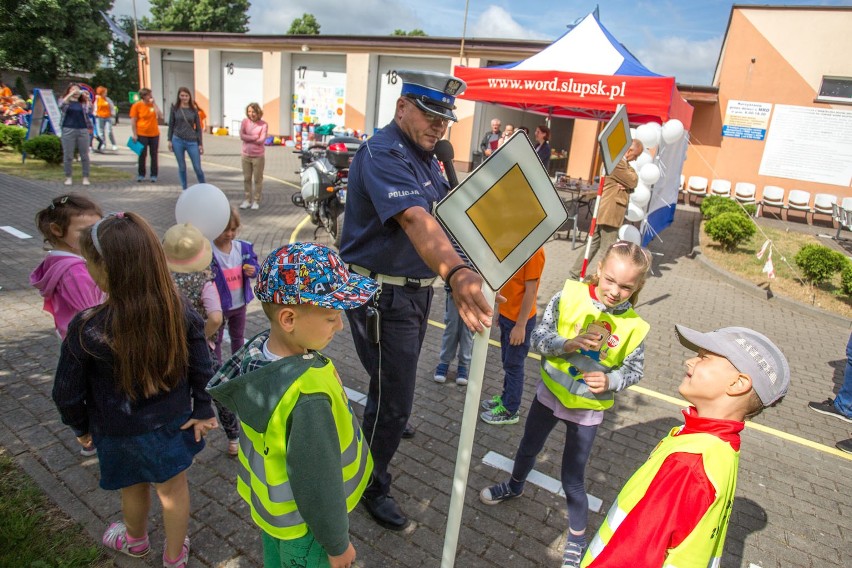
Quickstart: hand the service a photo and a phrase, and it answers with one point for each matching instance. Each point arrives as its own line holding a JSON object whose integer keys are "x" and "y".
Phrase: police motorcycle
{"x": 324, "y": 176}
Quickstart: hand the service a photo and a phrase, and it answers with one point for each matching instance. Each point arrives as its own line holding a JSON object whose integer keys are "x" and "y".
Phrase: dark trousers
{"x": 152, "y": 142}
{"x": 575, "y": 455}
{"x": 392, "y": 367}
{"x": 514, "y": 357}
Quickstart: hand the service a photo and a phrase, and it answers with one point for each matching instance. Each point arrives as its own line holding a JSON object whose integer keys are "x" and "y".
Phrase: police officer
{"x": 390, "y": 235}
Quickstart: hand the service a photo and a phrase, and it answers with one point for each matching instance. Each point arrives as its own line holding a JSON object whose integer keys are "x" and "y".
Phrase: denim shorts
{"x": 152, "y": 457}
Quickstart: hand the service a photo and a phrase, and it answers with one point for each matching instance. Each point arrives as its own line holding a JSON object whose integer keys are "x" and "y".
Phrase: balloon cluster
{"x": 651, "y": 135}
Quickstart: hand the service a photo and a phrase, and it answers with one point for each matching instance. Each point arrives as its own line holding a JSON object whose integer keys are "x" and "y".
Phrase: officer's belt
{"x": 393, "y": 280}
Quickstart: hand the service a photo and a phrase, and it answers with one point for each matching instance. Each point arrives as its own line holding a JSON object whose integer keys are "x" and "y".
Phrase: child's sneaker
{"x": 181, "y": 560}
{"x": 115, "y": 538}
{"x": 461, "y": 377}
{"x": 572, "y": 556}
{"x": 245, "y": 204}
{"x": 499, "y": 416}
{"x": 492, "y": 402}
{"x": 441, "y": 373}
{"x": 89, "y": 450}
{"x": 153, "y": 179}
{"x": 498, "y": 493}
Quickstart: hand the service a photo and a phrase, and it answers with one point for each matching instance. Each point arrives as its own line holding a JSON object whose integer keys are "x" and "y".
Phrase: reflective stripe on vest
{"x": 563, "y": 375}
{"x": 703, "y": 546}
{"x": 263, "y": 480}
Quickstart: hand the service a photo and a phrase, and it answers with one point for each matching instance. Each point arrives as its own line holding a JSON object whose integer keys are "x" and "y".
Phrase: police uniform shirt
{"x": 389, "y": 175}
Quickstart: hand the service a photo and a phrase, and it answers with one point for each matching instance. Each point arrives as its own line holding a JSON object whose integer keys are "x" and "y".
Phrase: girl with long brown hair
{"x": 131, "y": 377}
{"x": 184, "y": 135}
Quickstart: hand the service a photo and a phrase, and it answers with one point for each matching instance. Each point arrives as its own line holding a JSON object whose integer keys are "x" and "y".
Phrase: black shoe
{"x": 408, "y": 432}
{"x": 386, "y": 512}
{"x": 827, "y": 408}
{"x": 845, "y": 446}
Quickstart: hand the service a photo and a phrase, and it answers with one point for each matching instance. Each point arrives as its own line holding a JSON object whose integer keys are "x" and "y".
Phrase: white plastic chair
{"x": 799, "y": 200}
{"x": 720, "y": 187}
{"x": 681, "y": 190}
{"x": 697, "y": 186}
{"x": 824, "y": 204}
{"x": 773, "y": 196}
{"x": 744, "y": 192}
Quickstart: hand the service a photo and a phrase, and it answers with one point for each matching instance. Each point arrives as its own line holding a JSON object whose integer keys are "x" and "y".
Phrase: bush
{"x": 730, "y": 229}
{"x": 45, "y": 147}
{"x": 714, "y": 205}
{"x": 846, "y": 279}
{"x": 819, "y": 263}
{"x": 12, "y": 136}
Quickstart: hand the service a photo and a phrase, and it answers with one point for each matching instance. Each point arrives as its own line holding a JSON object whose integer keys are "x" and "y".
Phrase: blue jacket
{"x": 249, "y": 257}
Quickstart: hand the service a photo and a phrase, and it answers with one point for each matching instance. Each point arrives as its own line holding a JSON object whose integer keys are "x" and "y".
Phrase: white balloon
{"x": 642, "y": 159}
{"x": 204, "y": 206}
{"x": 634, "y": 212}
{"x": 648, "y": 135}
{"x": 641, "y": 195}
{"x": 672, "y": 131}
{"x": 630, "y": 233}
{"x": 650, "y": 174}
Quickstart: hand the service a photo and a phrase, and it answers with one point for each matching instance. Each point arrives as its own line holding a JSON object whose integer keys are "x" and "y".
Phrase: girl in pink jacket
{"x": 62, "y": 278}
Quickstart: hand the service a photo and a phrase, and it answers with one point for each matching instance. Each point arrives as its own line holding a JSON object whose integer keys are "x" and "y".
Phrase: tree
{"x": 414, "y": 32}
{"x": 122, "y": 73}
{"x": 198, "y": 16}
{"x": 306, "y": 25}
{"x": 52, "y": 38}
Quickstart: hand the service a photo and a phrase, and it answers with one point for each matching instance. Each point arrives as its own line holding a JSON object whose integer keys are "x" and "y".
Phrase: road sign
{"x": 615, "y": 139}
{"x": 504, "y": 211}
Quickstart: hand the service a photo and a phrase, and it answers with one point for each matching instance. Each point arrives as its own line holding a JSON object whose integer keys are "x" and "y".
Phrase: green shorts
{"x": 304, "y": 552}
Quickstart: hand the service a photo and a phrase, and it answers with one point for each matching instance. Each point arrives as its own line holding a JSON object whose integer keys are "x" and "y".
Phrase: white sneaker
{"x": 255, "y": 206}
{"x": 114, "y": 148}
{"x": 86, "y": 181}
{"x": 245, "y": 204}
{"x": 67, "y": 181}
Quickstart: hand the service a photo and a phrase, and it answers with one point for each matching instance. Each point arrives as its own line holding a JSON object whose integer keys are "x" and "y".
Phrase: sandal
{"x": 115, "y": 538}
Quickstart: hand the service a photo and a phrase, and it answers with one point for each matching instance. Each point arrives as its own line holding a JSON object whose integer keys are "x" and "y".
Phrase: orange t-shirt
{"x": 102, "y": 107}
{"x": 146, "y": 119}
{"x": 513, "y": 290}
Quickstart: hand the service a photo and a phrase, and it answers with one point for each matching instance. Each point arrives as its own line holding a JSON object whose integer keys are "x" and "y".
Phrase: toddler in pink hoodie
{"x": 62, "y": 278}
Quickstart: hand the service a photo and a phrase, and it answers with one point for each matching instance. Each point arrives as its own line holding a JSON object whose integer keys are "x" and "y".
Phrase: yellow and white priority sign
{"x": 504, "y": 211}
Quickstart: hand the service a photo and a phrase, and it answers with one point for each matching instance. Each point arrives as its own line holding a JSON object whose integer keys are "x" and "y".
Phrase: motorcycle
{"x": 324, "y": 177}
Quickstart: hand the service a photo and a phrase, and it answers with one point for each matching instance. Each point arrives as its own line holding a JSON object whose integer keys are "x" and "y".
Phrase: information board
{"x": 746, "y": 119}
{"x": 44, "y": 106}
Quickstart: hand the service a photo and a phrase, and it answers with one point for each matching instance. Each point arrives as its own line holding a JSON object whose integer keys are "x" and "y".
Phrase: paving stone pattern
{"x": 793, "y": 501}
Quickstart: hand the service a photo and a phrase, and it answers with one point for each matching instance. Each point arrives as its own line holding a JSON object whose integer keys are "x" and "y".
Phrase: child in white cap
{"x": 674, "y": 511}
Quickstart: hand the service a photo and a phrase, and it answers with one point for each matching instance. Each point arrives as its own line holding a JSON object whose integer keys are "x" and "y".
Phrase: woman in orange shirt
{"x": 145, "y": 116}
{"x": 103, "y": 114}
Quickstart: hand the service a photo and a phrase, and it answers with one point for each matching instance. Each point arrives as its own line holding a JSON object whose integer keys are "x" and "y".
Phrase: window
{"x": 835, "y": 90}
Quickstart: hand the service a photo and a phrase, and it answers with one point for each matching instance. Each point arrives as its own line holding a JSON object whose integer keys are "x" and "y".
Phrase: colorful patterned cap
{"x": 310, "y": 273}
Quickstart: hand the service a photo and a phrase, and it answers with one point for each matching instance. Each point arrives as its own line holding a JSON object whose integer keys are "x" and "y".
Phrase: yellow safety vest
{"x": 263, "y": 480}
{"x": 563, "y": 374}
{"x": 702, "y": 548}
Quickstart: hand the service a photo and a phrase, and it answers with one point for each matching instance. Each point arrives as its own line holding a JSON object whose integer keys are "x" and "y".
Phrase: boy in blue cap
{"x": 304, "y": 461}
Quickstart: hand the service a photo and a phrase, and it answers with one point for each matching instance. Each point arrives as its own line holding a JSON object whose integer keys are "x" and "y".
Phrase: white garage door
{"x": 242, "y": 83}
{"x": 390, "y": 86}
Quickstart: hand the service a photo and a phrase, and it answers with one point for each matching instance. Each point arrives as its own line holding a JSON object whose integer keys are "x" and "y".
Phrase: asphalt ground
{"x": 793, "y": 497}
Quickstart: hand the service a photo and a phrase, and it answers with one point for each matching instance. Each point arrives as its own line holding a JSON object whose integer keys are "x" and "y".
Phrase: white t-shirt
{"x": 231, "y": 265}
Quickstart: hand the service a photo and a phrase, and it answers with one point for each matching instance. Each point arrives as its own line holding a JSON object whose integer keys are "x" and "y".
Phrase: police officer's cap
{"x": 433, "y": 93}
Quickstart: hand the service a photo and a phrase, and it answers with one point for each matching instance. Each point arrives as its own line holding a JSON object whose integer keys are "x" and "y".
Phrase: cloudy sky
{"x": 671, "y": 37}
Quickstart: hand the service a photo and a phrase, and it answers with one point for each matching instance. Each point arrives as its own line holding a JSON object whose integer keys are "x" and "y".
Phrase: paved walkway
{"x": 793, "y": 498}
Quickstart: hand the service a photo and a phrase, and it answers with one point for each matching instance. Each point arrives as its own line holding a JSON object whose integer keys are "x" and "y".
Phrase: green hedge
{"x": 45, "y": 147}
{"x": 819, "y": 263}
{"x": 714, "y": 205}
{"x": 730, "y": 229}
{"x": 12, "y": 136}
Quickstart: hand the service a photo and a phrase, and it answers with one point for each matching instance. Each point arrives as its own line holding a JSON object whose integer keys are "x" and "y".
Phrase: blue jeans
{"x": 514, "y": 357}
{"x": 456, "y": 336}
{"x": 179, "y": 146}
{"x": 843, "y": 400}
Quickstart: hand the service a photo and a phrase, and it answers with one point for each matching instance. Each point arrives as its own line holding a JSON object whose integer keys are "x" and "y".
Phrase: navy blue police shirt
{"x": 388, "y": 175}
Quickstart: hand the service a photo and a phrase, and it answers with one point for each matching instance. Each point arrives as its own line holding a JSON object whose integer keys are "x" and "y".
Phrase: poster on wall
{"x": 319, "y": 97}
{"x": 746, "y": 119}
{"x": 809, "y": 144}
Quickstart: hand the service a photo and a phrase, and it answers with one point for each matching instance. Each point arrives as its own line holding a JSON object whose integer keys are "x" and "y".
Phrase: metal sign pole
{"x": 468, "y": 429}
{"x": 592, "y": 229}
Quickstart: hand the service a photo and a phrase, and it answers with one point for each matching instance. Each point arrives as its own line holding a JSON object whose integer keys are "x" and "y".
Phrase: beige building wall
{"x": 776, "y": 56}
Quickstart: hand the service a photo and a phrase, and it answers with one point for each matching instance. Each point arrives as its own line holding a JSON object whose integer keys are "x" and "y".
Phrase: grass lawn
{"x": 38, "y": 170}
{"x": 35, "y": 533}
{"x": 746, "y": 265}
